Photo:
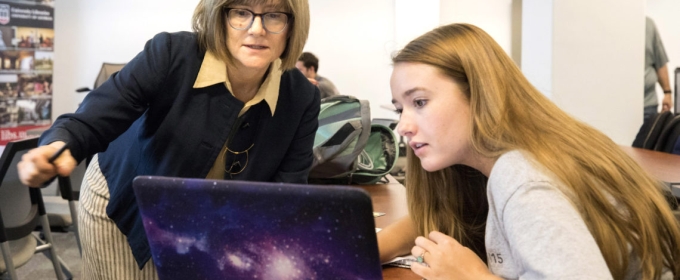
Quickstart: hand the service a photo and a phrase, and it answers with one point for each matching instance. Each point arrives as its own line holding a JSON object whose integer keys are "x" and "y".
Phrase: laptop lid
{"x": 214, "y": 229}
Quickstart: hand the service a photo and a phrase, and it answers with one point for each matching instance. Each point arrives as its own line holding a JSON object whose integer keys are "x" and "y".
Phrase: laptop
{"x": 215, "y": 229}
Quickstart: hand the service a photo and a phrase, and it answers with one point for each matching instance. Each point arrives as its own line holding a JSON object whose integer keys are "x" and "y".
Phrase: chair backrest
{"x": 107, "y": 70}
{"x": 651, "y": 130}
{"x": 69, "y": 187}
{"x": 669, "y": 135}
{"x": 19, "y": 204}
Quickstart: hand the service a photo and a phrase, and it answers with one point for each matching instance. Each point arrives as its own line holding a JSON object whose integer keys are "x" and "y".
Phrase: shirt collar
{"x": 214, "y": 71}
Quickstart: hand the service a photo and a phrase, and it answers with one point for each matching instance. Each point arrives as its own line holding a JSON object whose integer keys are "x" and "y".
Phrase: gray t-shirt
{"x": 534, "y": 232}
{"x": 655, "y": 58}
{"x": 326, "y": 87}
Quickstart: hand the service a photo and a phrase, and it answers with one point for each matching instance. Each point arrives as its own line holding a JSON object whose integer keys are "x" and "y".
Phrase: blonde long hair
{"x": 210, "y": 23}
{"x": 508, "y": 113}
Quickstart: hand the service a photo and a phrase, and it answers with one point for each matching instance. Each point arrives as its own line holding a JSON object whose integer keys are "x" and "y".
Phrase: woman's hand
{"x": 444, "y": 258}
{"x": 34, "y": 168}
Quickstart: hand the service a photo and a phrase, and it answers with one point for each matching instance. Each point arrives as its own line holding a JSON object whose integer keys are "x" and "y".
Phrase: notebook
{"x": 214, "y": 229}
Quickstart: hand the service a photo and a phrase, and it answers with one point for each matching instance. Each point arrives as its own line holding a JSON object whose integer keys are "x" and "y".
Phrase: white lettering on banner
{"x": 21, "y": 16}
{"x": 42, "y": 13}
{"x": 6, "y": 135}
{"x": 20, "y": 11}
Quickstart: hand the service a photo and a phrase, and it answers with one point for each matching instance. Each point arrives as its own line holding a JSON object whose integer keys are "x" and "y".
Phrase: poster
{"x": 26, "y": 66}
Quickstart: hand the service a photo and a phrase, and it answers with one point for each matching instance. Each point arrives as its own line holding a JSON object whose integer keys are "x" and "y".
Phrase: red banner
{"x": 20, "y": 132}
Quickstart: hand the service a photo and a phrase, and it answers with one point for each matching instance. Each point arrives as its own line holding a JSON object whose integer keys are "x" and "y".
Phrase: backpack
{"x": 348, "y": 148}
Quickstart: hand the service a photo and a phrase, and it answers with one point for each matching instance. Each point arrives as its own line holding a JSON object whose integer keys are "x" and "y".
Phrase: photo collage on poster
{"x": 26, "y": 66}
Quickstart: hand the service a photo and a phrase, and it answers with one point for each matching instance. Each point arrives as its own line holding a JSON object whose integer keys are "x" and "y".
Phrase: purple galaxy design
{"x": 204, "y": 229}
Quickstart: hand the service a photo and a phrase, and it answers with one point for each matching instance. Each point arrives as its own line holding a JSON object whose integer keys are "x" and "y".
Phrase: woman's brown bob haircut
{"x": 210, "y": 22}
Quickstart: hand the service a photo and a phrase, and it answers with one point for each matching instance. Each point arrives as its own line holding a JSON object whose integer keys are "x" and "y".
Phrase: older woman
{"x": 221, "y": 102}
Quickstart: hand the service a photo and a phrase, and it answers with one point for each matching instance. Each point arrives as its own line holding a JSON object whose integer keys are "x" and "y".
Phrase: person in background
{"x": 308, "y": 64}
{"x": 497, "y": 173}
{"x": 656, "y": 71}
{"x": 222, "y": 102}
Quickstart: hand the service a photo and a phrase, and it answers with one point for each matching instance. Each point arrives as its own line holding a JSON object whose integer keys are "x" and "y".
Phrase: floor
{"x": 40, "y": 267}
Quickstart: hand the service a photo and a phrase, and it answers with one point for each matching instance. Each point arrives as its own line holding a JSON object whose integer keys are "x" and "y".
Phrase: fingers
{"x": 65, "y": 163}
{"x": 440, "y": 238}
{"x": 35, "y": 169}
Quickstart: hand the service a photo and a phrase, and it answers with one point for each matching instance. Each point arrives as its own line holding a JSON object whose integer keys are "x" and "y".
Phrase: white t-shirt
{"x": 534, "y": 232}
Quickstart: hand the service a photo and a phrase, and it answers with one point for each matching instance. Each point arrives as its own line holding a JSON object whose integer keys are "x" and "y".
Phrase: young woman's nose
{"x": 405, "y": 127}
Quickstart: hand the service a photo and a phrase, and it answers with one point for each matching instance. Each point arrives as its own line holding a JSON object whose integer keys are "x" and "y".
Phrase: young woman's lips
{"x": 417, "y": 147}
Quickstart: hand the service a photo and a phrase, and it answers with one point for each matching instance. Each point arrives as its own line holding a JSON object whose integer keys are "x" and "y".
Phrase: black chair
{"x": 651, "y": 129}
{"x": 21, "y": 208}
{"x": 669, "y": 136}
{"x": 104, "y": 73}
{"x": 62, "y": 209}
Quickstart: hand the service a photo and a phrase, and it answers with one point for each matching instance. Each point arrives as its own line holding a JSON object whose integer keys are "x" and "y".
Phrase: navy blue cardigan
{"x": 148, "y": 120}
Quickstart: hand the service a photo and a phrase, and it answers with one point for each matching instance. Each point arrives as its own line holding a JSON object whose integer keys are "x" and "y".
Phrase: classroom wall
{"x": 665, "y": 14}
{"x": 597, "y": 64}
{"x": 90, "y": 32}
{"x": 354, "y": 40}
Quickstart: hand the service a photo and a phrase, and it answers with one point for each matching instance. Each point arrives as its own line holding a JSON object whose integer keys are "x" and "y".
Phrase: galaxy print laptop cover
{"x": 213, "y": 229}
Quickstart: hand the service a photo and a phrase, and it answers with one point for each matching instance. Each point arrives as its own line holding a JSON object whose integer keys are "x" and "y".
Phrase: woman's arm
{"x": 298, "y": 159}
{"x": 396, "y": 239}
{"x": 108, "y": 111}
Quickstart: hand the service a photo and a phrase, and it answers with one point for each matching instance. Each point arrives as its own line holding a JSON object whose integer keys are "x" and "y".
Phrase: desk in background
{"x": 663, "y": 166}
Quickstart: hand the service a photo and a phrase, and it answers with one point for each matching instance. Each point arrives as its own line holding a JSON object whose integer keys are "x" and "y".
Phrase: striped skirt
{"x": 106, "y": 253}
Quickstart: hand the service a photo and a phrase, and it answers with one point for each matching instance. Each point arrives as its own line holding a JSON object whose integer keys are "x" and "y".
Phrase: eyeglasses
{"x": 235, "y": 158}
{"x": 241, "y": 19}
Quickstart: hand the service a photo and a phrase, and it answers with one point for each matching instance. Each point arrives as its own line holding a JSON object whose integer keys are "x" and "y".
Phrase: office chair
{"x": 104, "y": 73}
{"x": 651, "y": 129}
{"x": 21, "y": 208}
{"x": 669, "y": 135}
{"x": 62, "y": 209}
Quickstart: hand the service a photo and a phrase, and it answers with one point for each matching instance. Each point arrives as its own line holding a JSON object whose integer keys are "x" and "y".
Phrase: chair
{"x": 104, "y": 73}
{"x": 669, "y": 135}
{"x": 651, "y": 129}
{"x": 21, "y": 208}
{"x": 62, "y": 210}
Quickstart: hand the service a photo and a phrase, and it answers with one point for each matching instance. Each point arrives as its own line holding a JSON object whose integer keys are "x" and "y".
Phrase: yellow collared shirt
{"x": 214, "y": 71}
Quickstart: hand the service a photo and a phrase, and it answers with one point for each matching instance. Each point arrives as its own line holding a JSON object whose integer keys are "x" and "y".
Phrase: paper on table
{"x": 404, "y": 261}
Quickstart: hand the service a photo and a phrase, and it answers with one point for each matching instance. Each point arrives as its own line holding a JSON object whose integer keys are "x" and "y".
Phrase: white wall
{"x": 665, "y": 15}
{"x": 90, "y": 32}
{"x": 536, "y": 43}
{"x": 354, "y": 40}
{"x": 597, "y": 64}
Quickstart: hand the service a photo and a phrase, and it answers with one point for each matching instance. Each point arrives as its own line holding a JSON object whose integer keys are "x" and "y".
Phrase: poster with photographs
{"x": 26, "y": 58}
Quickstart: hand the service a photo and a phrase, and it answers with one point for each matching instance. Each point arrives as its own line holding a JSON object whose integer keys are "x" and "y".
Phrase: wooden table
{"x": 663, "y": 166}
{"x": 390, "y": 198}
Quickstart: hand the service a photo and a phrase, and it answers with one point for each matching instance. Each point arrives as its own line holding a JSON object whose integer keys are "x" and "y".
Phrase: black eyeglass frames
{"x": 272, "y": 22}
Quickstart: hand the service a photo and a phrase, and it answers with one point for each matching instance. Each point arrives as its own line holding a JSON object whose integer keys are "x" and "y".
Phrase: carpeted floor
{"x": 40, "y": 267}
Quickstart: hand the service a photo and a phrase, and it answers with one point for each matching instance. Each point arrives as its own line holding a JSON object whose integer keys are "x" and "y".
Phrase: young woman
{"x": 222, "y": 102}
{"x": 497, "y": 172}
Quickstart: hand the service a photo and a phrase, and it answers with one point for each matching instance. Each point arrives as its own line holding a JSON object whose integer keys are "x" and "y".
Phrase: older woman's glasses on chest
{"x": 273, "y": 22}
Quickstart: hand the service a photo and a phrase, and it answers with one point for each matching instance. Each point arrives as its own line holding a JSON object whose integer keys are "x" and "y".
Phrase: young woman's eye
{"x": 419, "y": 102}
